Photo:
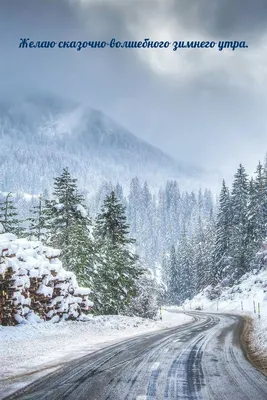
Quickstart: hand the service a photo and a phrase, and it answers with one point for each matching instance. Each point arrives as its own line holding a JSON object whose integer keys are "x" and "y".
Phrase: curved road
{"x": 201, "y": 360}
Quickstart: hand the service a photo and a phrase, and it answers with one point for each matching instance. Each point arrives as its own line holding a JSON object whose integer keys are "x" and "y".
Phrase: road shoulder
{"x": 32, "y": 351}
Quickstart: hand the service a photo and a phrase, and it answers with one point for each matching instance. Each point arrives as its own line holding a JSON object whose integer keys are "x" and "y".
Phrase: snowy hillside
{"x": 251, "y": 290}
{"x": 42, "y": 135}
{"x": 248, "y": 298}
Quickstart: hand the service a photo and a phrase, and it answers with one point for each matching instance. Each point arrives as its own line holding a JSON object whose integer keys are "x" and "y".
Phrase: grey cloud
{"x": 206, "y": 120}
{"x": 226, "y": 17}
{"x": 216, "y": 17}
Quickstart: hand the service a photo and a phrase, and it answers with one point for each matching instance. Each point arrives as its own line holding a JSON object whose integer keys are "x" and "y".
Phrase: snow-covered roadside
{"x": 248, "y": 298}
{"x": 27, "y": 349}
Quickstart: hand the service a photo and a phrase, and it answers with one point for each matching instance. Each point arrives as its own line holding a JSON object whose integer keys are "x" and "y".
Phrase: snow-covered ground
{"x": 32, "y": 350}
{"x": 247, "y": 298}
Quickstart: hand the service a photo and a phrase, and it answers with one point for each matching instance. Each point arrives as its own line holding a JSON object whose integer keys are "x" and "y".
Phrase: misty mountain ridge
{"x": 41, "y": 135}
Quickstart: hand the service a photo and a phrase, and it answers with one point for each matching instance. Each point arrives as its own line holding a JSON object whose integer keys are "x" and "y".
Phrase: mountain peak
{"x": 43, "y": 134}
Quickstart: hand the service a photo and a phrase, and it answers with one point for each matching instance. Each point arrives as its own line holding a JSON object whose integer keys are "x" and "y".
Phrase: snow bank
{"x": 34, "y": 285}
{"x": 241, "y": 298}
{"x": 249, "y": 297}
{"x": 25, "y": 350}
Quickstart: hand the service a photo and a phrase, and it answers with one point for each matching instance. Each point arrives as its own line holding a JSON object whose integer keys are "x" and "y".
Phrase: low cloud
{"x": 195, "y": 20}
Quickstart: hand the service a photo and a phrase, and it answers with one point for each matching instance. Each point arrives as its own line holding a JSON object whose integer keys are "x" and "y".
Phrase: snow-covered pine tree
{"x": 68, "y": 226}
{"x": 190, "y": 213}
{"x": 9, "y": 217}
{"x": 117, "y": 268}
{"x": 199, "y": 267}
{"x": 37, "y": 222}
{"x": 222, "y": 259}
{"x": 257, "y": 216}
{"x": 165, "y": 268}
{"x": 101, "y": 194}
{"x": 162, "y": 222}
{"x": 119, "y": 192}
{"x": 208, "y": 252}
{"x": 81, "y": 251}
{"x": 208, "y": 207}
{"x": 252, "y": 217}
{"x": 265, "y": 192}
{"x": 200, "y": 201}
{"x": 239, "y": 237}
{"x": 185, "y": 255}
{"x": 146, "y": 247}
{"x": 172, "y": 195}
{"x": 174, "y": 294}
{"x": 134, "y": 204}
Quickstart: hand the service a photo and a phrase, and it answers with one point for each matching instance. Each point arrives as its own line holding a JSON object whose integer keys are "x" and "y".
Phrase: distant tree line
{"x": 223, "y": 247}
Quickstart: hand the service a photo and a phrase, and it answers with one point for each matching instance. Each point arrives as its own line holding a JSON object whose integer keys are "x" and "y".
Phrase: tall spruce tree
{"x": 208, "y": 252}
{"x": 222, "y": 259}
{"x": 199, "y": 266}
{"x": 37, "y": 222}
{"x": 239, "y": 237}
{"x": 257, "y": 213}
{"x": 196, "y": 258}
{"x": 174, "y": 294}
{"x": 68, "y": 226}
{"x": 185, "y": 266}
{"x": 252, "y": 217}
{"x": 165, "y": 273}
{"x": 116, "y": 266}
{"x": 9, "y": 217}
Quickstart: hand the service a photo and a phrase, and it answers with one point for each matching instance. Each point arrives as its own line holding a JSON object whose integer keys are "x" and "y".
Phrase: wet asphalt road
{"x": 201, "y": 360}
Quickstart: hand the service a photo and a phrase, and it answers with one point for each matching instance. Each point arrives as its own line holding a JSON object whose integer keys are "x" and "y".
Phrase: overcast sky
{"x": 203, "y": 106}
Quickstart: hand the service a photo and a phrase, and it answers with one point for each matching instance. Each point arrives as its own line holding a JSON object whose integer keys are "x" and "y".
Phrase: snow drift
{"x": 248, "y": 294}
{"x": 247, "y": 297}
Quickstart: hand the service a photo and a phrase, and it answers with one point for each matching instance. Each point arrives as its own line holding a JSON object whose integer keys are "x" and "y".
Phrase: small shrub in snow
{"x": 147, "y": 302}
{"x": 225, "y": 282}
{"x": 212, "y": 292}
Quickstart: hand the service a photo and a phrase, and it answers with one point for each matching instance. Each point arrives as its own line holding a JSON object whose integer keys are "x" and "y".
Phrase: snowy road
{"x": 203, "y": 360}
